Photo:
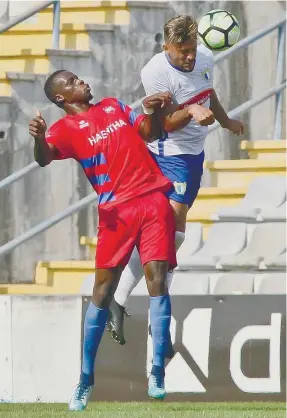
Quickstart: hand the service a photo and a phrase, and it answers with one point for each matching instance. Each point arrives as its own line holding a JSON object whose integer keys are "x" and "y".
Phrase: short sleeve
{"x": 153, "y": 81}
{"x": 134, "y": 119}
{"x": 57, "y": 136}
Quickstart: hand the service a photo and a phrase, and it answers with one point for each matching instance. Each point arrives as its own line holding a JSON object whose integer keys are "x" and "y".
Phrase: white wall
{"x": 40, "y": 348}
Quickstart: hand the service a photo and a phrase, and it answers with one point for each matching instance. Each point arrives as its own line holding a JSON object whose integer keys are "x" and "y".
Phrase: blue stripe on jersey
{"x": 161, "y": 143}
{"x": 122, "y": 105}
{"x": 106, "y": 197}
{"x": 93, "y": 161}
{"x": 133, "y": 117}
{"x": 99, "y": 179}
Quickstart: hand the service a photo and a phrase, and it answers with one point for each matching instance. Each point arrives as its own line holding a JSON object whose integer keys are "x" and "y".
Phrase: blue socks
{"x": 95, "y": 323}
{"x": 160, "y": 312}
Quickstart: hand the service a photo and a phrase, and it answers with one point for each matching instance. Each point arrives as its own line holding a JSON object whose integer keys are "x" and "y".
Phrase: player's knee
{"x": 105, "y": 284}
{"x": 158, "y": 286}
{"x": 156, "y": 273}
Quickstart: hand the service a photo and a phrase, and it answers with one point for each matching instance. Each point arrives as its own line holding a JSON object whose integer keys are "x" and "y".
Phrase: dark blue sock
{"x": 160, "y": 312}
{"x": 95, "y": 322}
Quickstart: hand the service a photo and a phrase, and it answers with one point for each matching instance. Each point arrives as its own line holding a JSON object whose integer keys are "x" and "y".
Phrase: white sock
{"x": 131, "y": 276}
{"x": 133, "y": 273}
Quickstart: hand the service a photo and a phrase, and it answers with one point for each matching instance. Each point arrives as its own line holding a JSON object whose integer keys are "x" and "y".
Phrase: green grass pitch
{"x": 148, "y": 410}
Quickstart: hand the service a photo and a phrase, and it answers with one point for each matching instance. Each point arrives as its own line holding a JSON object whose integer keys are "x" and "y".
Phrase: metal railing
{"x": 243, "y": 108}
{"x": 34, "y": 10}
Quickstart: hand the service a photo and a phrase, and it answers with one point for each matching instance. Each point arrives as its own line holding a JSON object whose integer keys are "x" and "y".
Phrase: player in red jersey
{"x": 107, "y": 140}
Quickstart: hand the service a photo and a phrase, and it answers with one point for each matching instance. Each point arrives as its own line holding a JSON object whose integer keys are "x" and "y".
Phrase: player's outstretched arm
{"x": 43, "y": 152}
{"x": 233, "y": 125}
{"x": 150, "y": 127}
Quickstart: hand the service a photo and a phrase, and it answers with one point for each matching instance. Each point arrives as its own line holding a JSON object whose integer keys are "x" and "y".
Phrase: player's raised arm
{"x": 233, "y": 125}
{"x": 43, "y": 151}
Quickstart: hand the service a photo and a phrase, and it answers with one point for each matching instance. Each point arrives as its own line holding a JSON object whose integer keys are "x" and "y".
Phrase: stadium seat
{"x": 278, "y": 262}
{"x": 266, "y": 192}
{"x": 274, "y": 215}
{"x": 223, "y": 239}
{"x": 267, "y": 240}
{"x": 273, "y": 283}
{"x": 189, "y": 283}
{"x": 234, "y": 283}
{"x": 192, "y": 243}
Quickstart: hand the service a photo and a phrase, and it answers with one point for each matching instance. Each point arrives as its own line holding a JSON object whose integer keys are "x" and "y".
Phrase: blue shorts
{"x": 185, "y": 172}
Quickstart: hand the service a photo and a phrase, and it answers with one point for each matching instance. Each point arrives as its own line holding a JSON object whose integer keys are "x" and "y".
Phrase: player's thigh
{"x": 185, "y": 172}
{"x": 117, "y": 235}
{"x": 157, "y": 237}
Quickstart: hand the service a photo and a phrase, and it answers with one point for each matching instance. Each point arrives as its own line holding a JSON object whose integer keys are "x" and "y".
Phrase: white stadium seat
{"x": 223, "y": 239}
{"x": 266, "y": 192}
{"x": 192, "y": 243}
{"x": 274, "y": 215}
{"x": 273, "y": 283}
{"x": 267, "y": 240}
{"x": 277, "y": 262}
{"x": 234, "y": 283}
{"x": 189, "y": 283}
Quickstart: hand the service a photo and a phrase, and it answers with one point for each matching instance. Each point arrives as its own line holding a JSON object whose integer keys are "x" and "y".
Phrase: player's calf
{"x": 160, "y": 314}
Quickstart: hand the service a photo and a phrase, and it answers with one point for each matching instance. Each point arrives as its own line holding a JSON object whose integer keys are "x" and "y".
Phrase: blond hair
{"x": 180, "y": 29}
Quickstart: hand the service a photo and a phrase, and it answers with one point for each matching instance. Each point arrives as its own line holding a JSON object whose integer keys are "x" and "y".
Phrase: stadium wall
{"x": 112, "y": 67}
{"x": 228, "y": 348}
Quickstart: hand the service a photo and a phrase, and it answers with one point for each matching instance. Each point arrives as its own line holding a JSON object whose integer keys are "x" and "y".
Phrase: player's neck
{"x": 75, "y": 108}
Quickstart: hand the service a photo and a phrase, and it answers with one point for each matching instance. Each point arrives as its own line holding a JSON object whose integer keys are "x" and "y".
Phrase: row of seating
{"x": 228, "y": 283}
{"x": 264, "y": 201}
{"x": 199, "y": 283}
{"x": 234, "y": 245}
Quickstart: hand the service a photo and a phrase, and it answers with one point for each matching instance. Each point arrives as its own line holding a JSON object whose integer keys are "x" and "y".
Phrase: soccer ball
{"x": 219, "y": 30}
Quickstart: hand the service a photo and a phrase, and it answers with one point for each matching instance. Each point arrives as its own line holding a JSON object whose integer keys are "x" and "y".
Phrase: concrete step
{"x": 265, "y": 149}
{"x": 36, "y": 41}
{"x": 239, "y": 173}
{"x": 63, "y": 276}
{"x": 116, "y": 12}
{"x": 38, "y": 64}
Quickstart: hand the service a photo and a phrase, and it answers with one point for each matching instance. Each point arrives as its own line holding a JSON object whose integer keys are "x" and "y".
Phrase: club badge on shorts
{"x": 180, "y": 188}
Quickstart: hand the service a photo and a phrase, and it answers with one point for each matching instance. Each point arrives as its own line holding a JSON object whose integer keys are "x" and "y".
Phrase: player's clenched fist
{"x": 37, "y": 126}
{"x": 202, "y": 115}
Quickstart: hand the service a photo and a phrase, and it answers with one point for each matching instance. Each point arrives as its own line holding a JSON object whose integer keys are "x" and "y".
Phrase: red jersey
{"x": 105, "y": 141}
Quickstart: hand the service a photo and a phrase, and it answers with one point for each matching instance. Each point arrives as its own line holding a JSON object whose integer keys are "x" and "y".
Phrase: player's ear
{"x": 165, "y": 47}
{"x": 59, "y": 99}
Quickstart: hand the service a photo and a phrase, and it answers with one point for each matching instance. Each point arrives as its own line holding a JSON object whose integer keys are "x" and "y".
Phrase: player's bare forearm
{"x": 233, "y": 125}
{"x": 43, "y": 153}
{"x": 217, "y": 110}
{"x": 149, "y": 128}
{"x": 176, "y": 119}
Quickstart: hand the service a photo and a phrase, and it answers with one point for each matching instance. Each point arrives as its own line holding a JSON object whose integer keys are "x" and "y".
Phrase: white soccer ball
{"x": 219, "y": 30}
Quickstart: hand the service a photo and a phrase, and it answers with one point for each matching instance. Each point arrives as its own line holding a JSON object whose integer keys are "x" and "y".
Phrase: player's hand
{"x": 202, "y": 115}
{"x": 235, "y": 126}
{"x": 157, "y": 100}
{"x": 37, "y": 126}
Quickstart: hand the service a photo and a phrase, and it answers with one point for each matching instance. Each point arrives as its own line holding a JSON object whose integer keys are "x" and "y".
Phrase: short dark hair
{"x": 180, "y": 29}
{"x": 49, "y": 87}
